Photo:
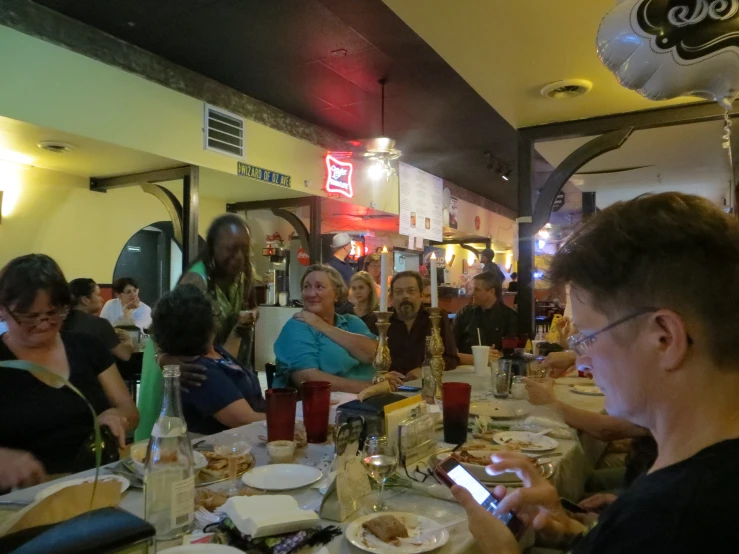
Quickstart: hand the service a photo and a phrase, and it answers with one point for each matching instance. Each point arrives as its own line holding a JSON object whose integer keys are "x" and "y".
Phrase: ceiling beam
{"x": 103, "y": 184}
{"x": 269, "y": 204}
{"x": 684, "y": 114}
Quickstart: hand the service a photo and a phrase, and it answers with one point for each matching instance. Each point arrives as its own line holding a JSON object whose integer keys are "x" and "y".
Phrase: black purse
{"x": 86, "y": 456}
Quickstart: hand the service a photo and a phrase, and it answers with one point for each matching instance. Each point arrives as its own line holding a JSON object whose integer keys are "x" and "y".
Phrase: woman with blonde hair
{"x": 363, "y": 295}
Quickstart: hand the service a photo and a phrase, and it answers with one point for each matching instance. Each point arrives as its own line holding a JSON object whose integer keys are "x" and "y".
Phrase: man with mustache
{"x": 410, "y": 324}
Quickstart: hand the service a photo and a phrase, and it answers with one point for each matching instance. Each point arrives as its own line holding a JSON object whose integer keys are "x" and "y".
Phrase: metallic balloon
{"x": 669, "y": 48}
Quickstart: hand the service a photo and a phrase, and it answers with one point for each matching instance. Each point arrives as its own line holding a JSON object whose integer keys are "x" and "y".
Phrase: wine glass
{"x": 231, "y": 446}
{"x": 380, "y": 459}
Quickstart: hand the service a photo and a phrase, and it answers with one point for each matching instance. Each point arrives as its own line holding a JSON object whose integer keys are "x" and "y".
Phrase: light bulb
{"x": 541, "y": 243}
{"x": 544, "y": 234}
{"x": 376, "y": 170}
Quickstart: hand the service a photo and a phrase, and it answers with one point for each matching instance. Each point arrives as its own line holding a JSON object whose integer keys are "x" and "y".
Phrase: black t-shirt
{"x": 82, "y": 322}
{"x": 493, "y": 324}
{"x": 53, "y": 423}
{"x": 687, "y": 508}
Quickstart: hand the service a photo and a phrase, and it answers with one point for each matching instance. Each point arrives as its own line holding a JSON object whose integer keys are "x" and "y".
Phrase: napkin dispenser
{"x": 265, "y": 516}
{"x": 109, "y": 530}
{"x": 372, "y": 410}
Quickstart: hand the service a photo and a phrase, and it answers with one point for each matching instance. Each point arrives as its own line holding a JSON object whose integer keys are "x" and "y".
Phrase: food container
{"x": 138, "y": 455}
{"x": 281, "y": 452}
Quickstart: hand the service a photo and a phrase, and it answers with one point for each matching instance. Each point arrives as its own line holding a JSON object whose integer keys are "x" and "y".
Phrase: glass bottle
{"x": 428, "y": 386}
{"x": 169, "y": 487}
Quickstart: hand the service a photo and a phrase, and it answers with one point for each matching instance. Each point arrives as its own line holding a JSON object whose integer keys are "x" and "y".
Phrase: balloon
{"x": 669, "y": 48}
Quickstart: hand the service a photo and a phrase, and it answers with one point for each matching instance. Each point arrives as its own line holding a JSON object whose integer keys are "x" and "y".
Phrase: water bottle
{"x": 428, "y": 384}
{"x": 169, "y": 486}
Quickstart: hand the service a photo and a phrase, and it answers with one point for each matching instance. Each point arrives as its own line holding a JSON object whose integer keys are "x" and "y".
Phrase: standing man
{"x": 488, "y": 314}
{"x": 341, "y": 246}
{"x": 489, "y": 266}
{"x": 410, "y": 324}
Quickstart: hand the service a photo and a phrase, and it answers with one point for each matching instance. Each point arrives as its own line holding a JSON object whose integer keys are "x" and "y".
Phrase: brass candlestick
{"x": 437, "y": 349}
{"x": 382, "y": 357}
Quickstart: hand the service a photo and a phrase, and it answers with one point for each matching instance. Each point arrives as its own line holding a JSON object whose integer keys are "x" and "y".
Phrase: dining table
{"x": 571, "y": 470}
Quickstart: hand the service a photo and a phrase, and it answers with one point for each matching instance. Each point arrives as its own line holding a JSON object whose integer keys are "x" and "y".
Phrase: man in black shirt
{"x": 341, "y": 247}
{"x": 487, "y": 261}
{"x": 487, "y": 313}
{"x": 662, "y": 351}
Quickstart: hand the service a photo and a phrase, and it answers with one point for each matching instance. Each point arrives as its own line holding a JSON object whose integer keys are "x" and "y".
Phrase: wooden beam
{"x": 102, "y": 184}
{"x": 269, "y": 204}
{"x": 190, "y": 212}
{"x": 526, "y": 298}
{"x": 172, "y": 205}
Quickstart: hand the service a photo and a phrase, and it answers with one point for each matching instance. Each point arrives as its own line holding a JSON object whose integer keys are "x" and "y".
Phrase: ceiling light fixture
{"x": 381, "y": 151}
{"x": 566, "y": 89}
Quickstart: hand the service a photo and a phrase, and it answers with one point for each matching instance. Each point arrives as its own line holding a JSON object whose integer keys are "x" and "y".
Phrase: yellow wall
{"x": 84, "y": 231}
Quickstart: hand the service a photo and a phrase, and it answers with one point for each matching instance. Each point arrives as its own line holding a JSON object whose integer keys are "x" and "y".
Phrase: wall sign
{"x": 421, "y": 203}
{"x": 261, "y": 174}
{"x": 339, "y": 177}
{"x": 559, "y": 201}
{"x": 303, "y": 257}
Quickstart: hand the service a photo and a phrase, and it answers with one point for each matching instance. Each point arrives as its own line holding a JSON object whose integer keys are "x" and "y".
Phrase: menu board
{"x": 420, "y": 203}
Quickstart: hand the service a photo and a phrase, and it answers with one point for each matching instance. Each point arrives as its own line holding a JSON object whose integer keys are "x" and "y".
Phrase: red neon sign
{"x": 339, "y": 177}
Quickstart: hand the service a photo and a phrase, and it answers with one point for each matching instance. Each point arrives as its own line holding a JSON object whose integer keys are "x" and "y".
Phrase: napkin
{"x": 265, "y": 516}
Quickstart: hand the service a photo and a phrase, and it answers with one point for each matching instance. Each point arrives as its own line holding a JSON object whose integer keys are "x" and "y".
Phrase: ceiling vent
{"x": 55, "y": 146}
{"x": 569, "y": 88}
{"x": 223, "y": 132}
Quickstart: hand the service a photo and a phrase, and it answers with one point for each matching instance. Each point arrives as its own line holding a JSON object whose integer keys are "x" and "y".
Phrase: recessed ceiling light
{"x": 56, "y": 147}
{"x": 569, "y": 88}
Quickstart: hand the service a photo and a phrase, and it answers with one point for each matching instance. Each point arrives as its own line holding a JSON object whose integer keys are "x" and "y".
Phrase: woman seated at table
{"x": 320, "y": 345}
{"x": 363, "y": 296}
{"x": 184, "y": 325}
{"x": 53, "y": 424}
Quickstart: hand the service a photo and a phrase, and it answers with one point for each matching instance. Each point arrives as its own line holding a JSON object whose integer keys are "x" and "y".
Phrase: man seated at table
{"x": 410, "y": 324}
{"x": 487, "y": 315}
{"x": 662, "y": 350}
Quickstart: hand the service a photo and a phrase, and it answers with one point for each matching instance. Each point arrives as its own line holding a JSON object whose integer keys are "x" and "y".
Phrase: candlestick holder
{"x": 381, "y": 362}
{"x": 436, "y": 348}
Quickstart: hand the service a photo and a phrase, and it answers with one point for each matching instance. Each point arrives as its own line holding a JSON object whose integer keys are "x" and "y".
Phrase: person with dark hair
{"x": 486, "y": 314}
{"x": 126, "y": 308}
{"x": 319, "y": 344}
{"x": 83, "y": 318}
{"x": 184, "y": 325}
{"x": 487, "y": 261}
{"x": 410, "y": 324}
{"x": 662, "y": 349}
{"x": 426, "y": 291}
{"x": 513, "y": 284}
{"x": 49, "y": 423}
{"x": 224, "y": 272}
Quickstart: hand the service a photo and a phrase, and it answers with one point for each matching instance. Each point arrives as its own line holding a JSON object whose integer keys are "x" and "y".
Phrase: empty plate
{"x": 281, "y": 477}
{"x": 525, "y": 441}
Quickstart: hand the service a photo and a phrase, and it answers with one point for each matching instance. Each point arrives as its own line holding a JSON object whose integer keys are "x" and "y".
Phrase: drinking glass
{"x": 456, "y": 410}
{"x": 281, "y": 414}
{"x": 316, "y": 408}
{"x": 231, "y": 446}
{"x": 380, "y": 460}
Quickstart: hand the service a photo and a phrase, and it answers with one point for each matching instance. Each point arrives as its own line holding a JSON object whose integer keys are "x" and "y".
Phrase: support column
{"x": 588, "y": 205}
{"x": 315, "y": 230}
{"x": 525, "y": 236}
{"x": 190, "y": 211}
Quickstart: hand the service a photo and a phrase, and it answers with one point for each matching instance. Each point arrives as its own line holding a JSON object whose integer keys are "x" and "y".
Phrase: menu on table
{"x": 420, "y": 203}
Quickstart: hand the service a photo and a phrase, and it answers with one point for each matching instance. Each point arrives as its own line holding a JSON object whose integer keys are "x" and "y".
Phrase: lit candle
{"x": 434, "y": 288}
{"x": 383, "y": 279}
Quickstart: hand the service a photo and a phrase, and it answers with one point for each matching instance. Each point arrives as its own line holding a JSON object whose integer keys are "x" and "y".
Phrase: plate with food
{"x": 475, "y": 462}
{"x": 589, "y": 390}
{"x": 56, "y": 487}
{"x": 494, "y": 410}
{"x": 396, "y": 532}
{"x": 216, "y": 469}
{"x": 281, "y": 477}
{"x": 525, "y": 441}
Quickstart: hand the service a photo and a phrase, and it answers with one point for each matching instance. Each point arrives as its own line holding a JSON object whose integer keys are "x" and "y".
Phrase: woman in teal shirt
{"x": 319, "y": 345}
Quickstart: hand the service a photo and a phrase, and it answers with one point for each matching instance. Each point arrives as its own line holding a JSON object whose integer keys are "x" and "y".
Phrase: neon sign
{"x": 339, "y": 177}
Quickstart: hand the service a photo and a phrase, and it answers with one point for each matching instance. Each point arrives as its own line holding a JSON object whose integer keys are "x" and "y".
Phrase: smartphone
{"x": 406, "y": 388}
{"x": 451, "y": 472}
{"x": 570, "y": 506}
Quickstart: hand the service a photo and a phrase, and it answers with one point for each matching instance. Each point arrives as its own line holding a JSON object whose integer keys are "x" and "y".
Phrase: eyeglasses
{"x": 420, "y": 473}
{"x": 29, "y": 321}
{"x": 581, "y": 342}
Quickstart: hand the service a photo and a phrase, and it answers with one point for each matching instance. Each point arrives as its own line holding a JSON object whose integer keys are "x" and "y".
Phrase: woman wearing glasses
{"x": 52, "y": 424}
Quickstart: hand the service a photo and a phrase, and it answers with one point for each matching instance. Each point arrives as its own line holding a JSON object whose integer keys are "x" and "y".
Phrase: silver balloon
{"x": 669, "y": 48}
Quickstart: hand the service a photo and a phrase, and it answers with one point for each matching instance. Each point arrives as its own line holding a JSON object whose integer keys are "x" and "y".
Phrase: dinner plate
{"x": 204, "y": 549}
{"x": 589, "y": 390}
{"x": 526, "y": 441}
{"x": 424, "y": 535}
{"x": 496, "y": 410}
{"x": 48, "y": 491}
{"x": 281, "y": 477}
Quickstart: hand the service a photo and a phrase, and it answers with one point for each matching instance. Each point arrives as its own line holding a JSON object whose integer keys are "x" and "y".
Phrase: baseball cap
{"x": 340, "y": 240}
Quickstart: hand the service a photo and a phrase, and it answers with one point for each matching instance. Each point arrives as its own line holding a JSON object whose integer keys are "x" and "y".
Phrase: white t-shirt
{"x": 113, "y": 312}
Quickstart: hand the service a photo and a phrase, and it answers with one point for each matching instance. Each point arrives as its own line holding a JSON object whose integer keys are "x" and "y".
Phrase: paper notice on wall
{"x": 420, "y": 203}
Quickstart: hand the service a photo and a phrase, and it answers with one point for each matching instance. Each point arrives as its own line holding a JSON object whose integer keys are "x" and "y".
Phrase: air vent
{"x": 570, "y": 88}
{"x": 55, "y": 147}
{"x": 223, "y": 132}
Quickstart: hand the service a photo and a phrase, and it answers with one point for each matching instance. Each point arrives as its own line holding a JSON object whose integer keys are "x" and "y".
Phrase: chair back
{"x": 270, "y": 369}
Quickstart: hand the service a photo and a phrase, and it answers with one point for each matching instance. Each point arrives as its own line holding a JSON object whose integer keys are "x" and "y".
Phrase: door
{"x": 145, "y": 258}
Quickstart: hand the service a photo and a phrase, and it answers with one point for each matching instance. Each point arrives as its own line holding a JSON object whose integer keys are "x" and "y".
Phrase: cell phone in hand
{"x": 451, "y": 472}
{"x": 571, "y": 507}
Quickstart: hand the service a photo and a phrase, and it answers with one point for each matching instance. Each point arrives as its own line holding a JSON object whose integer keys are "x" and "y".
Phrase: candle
{"x": 434, "y": 288}
{"x": 383, "y": 279}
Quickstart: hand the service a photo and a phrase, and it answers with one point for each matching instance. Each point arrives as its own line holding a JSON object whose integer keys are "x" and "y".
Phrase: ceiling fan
{"x": 615, "y": 170}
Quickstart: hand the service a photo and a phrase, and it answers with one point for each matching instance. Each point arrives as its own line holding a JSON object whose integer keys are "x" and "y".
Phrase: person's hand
{"x": 311, "y": 319}
{"x": 539, "y": 393}
{"x": 598, "y": 502}
{"x": 124, "y": 337}
{"x": 413, "y": 374}
{"x": 537, "y": 502}
{"x": 247, "y": 317}
{"x": 19, "y": 469}
{"x": 133, "y": 304}
{"x": 192, "y": 375}
{"x": 395, "y": 379}
{"x": 494, "y": 355}
{"x": 559, "y": 363}
{"x": 491, "y": 534}
{"x": 117, "y": 424}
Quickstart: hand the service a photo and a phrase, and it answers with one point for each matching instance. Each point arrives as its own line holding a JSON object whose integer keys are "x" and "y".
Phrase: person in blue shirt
{"x": 184, "y": 325}
{"x": 320, "y": 345}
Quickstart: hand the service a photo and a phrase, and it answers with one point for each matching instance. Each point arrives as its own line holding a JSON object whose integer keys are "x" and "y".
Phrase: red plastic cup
{"x": 281, "y": 414}
{"x": 316, "y": 407}
{"x": 456, "y": 405}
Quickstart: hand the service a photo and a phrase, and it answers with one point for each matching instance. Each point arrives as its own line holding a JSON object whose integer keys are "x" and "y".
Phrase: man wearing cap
{"x": 341, "y": 246}
{"x": 489, "y": 266}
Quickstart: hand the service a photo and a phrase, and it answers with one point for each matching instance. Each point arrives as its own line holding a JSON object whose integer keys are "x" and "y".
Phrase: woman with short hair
{"x": 127, "y": 308}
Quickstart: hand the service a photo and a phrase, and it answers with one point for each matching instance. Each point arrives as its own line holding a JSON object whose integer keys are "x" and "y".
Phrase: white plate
{"x": 538, "y": 444}
{"x": 432, "y": 537}
{"x": 204, "y": 549}
{"x": 281, "y": 477}
{"x": 48, "y": 491}
{"x": 496, "y": 410}
{"x": 589, "y": 390}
